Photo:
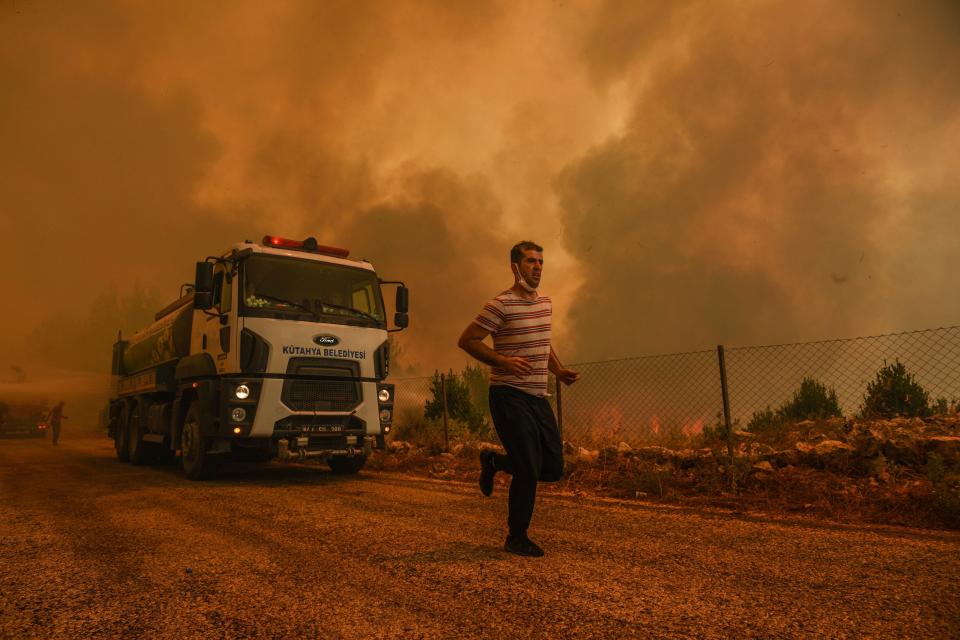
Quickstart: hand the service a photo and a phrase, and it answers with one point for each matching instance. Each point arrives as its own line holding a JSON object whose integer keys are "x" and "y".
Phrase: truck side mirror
{"x": 403, "y": 301}
{"x": 203, "y": 286}
{"x": 401, "y": 320}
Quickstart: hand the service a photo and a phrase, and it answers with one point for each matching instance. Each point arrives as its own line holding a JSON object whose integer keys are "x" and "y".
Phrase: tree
{"x": 812, "y": 401}
{"x": 477, "y": 380}
{"x": 895, "y": 392}
{"x": 467, "y": 395}
{"x": 459, "y": 406}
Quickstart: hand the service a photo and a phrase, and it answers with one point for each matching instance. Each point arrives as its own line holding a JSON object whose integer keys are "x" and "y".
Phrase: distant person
{"x": 56, "y": 415}
{"x": 519, "y": 319}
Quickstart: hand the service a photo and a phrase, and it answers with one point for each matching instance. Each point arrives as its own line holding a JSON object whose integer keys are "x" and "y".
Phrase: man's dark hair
{"x": 516, "y": 253}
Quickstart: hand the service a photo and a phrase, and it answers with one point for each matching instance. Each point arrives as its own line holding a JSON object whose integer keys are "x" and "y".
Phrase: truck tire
{"x": 344, "y": 465}
{"x": 121, "y": 435}
{"x": 140, "y": 452}
{"x": 197, "y": 462}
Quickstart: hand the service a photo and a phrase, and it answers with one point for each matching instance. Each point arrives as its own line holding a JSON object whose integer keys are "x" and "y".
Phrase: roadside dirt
{"x": 91, "y": 548}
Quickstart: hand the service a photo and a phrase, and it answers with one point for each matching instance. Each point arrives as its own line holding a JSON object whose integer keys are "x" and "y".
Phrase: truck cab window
{"x": 361, "y": 300}
{"x": 217, "y": 286}
{"x": 222, "y": 290}
{"x": 310, "y": 290}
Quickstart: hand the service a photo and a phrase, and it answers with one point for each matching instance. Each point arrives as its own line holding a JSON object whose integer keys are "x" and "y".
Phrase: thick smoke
{"x": 698, "y": 173}
{"x": 781, "y": 176}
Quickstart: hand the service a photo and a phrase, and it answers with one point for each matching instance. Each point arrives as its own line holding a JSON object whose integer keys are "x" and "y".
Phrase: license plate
{"x": 322, "y": 428}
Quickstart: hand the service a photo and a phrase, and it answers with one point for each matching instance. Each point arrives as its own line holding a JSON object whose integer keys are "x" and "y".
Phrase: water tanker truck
{"x": 278, "y": 349}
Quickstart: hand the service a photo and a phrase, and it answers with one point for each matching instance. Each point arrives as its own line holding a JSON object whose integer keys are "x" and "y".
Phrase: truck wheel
{"x": 120, "y": 436}
{"x": 140, "y": 452}
{"x": 197, "y": 463}
{"x": 343, "y": 465}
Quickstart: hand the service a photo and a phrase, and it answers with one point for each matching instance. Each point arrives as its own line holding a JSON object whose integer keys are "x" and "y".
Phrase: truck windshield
{"x": 280, "y": 287}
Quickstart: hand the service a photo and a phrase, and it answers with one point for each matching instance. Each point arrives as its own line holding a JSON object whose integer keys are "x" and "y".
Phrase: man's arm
{"x": 471, "y": 341}
{"x": 564, "y": 375}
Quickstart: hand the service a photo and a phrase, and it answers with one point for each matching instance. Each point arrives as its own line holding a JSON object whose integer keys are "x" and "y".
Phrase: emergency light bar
{"x": 310, "y": 244}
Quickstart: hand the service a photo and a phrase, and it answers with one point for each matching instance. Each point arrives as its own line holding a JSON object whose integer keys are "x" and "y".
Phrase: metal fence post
{"x": 559, "y": 408}
{"x": 443, "y": 393}
{"x": 726, "y": 408}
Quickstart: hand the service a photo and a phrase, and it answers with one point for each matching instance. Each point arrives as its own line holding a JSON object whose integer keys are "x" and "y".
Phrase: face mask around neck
{"x": 522, "y": 281}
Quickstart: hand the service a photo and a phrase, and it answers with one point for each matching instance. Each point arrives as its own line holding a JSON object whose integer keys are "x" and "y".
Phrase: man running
{"x": 56, "y": 415}
{"x": 519, "y": 320}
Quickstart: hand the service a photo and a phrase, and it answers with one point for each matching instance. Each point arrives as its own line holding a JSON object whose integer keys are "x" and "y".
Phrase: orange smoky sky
{"x": 698, "y": 172}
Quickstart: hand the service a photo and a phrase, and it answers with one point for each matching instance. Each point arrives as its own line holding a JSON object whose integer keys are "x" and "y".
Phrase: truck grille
{"x": 321, "y": 395}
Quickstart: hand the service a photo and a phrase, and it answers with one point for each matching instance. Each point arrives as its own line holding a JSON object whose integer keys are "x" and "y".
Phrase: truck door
{"x": 219, "y": 333}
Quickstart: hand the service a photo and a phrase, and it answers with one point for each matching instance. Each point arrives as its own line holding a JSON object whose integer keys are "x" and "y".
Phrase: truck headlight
{"x": 385, "y": 415}
{"x": 238, "y": 414}
{"x": 383, "y": 395}
{"x": 242, "y": 392}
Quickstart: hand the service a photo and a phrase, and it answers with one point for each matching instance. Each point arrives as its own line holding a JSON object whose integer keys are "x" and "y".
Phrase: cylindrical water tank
{"x": 166, "y": 340}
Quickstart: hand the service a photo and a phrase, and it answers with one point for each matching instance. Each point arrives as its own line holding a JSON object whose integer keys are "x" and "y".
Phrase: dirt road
{"x": 91, "y": 548}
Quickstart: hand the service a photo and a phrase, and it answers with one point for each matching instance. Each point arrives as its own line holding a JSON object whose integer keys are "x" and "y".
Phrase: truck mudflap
{"x": 303, "y": 447}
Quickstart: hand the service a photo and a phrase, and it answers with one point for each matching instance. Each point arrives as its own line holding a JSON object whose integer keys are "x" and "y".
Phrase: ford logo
{"x": 326, "y": 340}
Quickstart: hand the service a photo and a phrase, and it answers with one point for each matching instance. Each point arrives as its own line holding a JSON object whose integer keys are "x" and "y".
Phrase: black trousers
{"x": 55, "y": 427}
{"x": 528, "y": 431}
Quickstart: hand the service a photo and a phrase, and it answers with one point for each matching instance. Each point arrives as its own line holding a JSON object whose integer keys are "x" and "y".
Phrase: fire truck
{"x": 278, "y": 350}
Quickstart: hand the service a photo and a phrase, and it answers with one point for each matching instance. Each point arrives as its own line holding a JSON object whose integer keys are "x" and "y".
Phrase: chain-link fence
{"x": 669, "y": 399}
{"x": 411, "y": 396}
{"x": 761, "y": 377}
{"x": 654, "y": 399}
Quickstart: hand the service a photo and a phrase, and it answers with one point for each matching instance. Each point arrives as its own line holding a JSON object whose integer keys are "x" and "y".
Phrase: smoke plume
{"x": 698, "y": 172}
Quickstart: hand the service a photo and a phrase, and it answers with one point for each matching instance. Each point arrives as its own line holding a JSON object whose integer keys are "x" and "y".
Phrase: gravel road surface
{"x": 91, "y": 548}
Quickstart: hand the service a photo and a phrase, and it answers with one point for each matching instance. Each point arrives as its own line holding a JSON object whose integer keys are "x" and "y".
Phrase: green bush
{"x": 477, "y": 380}
{"x": 895, "y": 392}
{"x": 467, "y": 395}
{"x": 765, "y": 421}
{"x": 942, "y": 406}
{"x": 811, "y": 401}
{"x": 410, "y": 425}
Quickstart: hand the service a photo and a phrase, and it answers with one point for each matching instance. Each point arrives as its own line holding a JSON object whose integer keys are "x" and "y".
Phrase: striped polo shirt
{"x": 519, "y": 328}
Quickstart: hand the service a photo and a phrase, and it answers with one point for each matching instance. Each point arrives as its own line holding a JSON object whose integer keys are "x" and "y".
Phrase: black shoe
{"x": 522, "y": 546}
{"x": 487, "y": 471}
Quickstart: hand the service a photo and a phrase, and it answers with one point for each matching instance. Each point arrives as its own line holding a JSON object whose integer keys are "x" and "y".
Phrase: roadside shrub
{"x": 411, "y": 425}
{"x": 476, "y": 379}
{"x": 895, "y": 392}
{"x": 459, "y": 406}
{"x": 717, "y": 432}
{"x": 467, "y": 401}
{"x": 765, "y": 421}
{"x": 811, "y": 401}
{"x": 942, "y": 406}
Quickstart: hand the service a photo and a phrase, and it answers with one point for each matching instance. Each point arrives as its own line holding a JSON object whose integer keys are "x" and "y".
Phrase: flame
{"x": 694, "y": 428}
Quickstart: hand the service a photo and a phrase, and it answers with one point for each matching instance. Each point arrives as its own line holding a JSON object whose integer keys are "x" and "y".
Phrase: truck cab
{"x": 279, "y": 349}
